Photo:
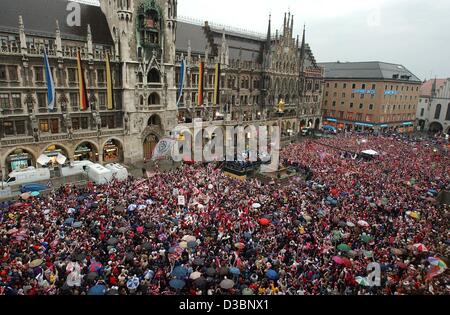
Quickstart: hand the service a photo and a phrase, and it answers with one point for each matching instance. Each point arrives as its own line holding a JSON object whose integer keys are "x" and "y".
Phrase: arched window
{"x": 141, "y": 100}
{"x": 447, "y": 116}
{"x": 140, "y": 77}
{"x": 437, "y": 114}
{"x": 153, "y": 76}
{"x": 153, "y": 99}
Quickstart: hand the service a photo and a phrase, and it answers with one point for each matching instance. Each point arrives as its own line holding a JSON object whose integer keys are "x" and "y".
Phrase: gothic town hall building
{"x": 146, "y": 42}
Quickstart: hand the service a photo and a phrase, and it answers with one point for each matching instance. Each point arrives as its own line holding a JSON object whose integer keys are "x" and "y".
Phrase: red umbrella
{"x": 337, "y": 260}
{"x": 264, "y": 222}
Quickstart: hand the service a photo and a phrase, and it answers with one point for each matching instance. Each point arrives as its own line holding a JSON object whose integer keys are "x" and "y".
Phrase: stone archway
{"x": 112, "y": 151}
{"x": 86, "y": 150}
{"x": 436, "y": 127}
{"x": 19, "y": 158}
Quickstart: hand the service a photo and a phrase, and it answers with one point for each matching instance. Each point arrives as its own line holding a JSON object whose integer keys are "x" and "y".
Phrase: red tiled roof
{"x": 425, "y": 90}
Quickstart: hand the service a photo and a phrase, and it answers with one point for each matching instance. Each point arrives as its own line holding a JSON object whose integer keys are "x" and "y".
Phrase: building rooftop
{"x": 368, "y": 70}
{"x": 427, "y": 86}
{"x": 39, "y": 18}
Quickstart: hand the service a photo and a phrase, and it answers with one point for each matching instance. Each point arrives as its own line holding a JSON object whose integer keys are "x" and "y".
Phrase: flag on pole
{"x": 182, "y": 77}
{"x": 217, "y": 85}
{"x": 84, "y": 105}
{"x": 51, "y": 94}
{"x": 201, "y": 74}
{"x": 109, "y": 84}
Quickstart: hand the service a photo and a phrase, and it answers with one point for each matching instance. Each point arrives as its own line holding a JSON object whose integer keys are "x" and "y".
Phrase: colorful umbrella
{"x": 368, "y": 254}
{"x": 362, "y": 281}
{"x": 97, "y": 290}
{"x": 256, "y": 205}
{"x": 264, "y": 221}
{"x": 435, "y": 261}
{"x": 337, "y": 260}
{"x": 415, "y": 215}
{"x": 179, "y": 272}
{"x": 247, "y": 291}
{"x": 35, "y": 194}
{"x": 183, "y": 244}
{"x": 235, "y": 271}
{"x": 177, "y": 284}
{"x": 344, "y": 247}
{"x": 366, "y": 238}
{"x": 272, "y": 274}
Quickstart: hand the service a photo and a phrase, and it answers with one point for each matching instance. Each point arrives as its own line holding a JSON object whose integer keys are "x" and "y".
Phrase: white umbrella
{"x": 256, "y": 205}
{"x": 61, "y": 159}
{"x": 370, "y": 152}
{"x": 189, "y": 238}
{"x": 195, "y": 275}
{"x": 363, "y": 223}
{"x": 350, "y": 224}
{"x": 43, "y": 160}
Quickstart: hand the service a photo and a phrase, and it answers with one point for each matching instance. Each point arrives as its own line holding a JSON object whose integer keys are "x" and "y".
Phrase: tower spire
{"x": 303, "y": 48}
{"x": 269, "y": 32}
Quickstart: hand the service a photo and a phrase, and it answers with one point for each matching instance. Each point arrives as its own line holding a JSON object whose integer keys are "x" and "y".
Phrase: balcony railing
{"x": 17, "y": 141}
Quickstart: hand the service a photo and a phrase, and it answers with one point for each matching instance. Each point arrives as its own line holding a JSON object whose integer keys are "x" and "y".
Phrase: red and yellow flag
{"x": 84, "y": 104}
{"x": 201, "y": 74}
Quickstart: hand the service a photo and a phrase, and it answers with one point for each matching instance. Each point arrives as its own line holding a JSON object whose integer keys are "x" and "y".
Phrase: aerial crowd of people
{"x": 193, "y": 231}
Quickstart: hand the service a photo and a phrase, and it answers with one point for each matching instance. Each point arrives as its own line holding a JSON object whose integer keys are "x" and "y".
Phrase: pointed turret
{"x": 90, "y": 46}
{"x": 269, "y": 33}
{"x": 303, "y": 49}
{"x": 23, "y": 40}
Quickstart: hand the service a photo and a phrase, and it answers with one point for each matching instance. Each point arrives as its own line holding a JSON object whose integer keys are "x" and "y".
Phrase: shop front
{"x": 112, "y": 151}
{"x": 86, "y": 152}
{"x": 19, "y": 159}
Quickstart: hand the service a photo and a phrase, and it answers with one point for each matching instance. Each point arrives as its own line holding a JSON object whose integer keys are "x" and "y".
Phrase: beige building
{"x": 370, "y": 95}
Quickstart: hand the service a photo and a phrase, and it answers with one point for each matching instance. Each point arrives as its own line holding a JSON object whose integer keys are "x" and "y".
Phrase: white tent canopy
{"x": 370, "y": 152}
{"x": 61, "y": 159}
{"x": 43, "y": 159}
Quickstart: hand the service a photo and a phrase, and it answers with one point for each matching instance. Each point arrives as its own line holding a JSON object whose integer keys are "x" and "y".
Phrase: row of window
{"x": 10, "y": 73}
{"x": 52, "y": 125}
{"x": 363, "y": 86}
{"x": 372, "y": 107}
{"x": 438, "y": 111}
{"x": 368, "y": 117}
{"x": 10, "y": 101}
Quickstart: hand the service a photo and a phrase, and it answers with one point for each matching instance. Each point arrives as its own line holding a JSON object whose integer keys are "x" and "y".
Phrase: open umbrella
{"x": 366, "y": 238}
{"x": 435, "y": 261}
{"x": 239, "y": 246}
{"x": 35, "y": 263}
{"x": 235, "y": 271}
{"x": 25, "y": 196}
{"x": 350, "y": 224}
{"x": 362, "y": 281}
{"x": 210, "y": 271}
{"x": 338, "y": 260}
{"x": 272, "y": 274}
{"x": 307, "y": 218}
{"x": 179, "y": 272}
{"x": 200, "y": 283}
{"x": 133, "y": 283}
{"x": 415, "y": 215}
{"x": 95, "y": 266}
{"x": 35, "y": 194}
{"x": 337, "y": 235}
{"x": 195, "y": 275}
{"x": 363, "y": 223}
{"x": 368, "y": 254}
{"x": 92, "y": 276}
{"x": 192, "y": 244}
{"x": 420, "y": 247}
{"x": 256, "y": 205}
{"x": 264, "y": 221}
{"x": 97, "y": 290}
{"x": 247, "y": 291}
{"x": 132, "y": 207}
{"x": 69, "y": 221}
{"x": 189, "y": 238}
{"x": 227, "y": 284}
{"x": 177, "y": 284}
{"x": 183, "y": 244}
{"x": 77, "y": 225}
{"x": 397, "y": 251}
{"x": 198, "y": 262}
{"x": 344, "y": 247}
{"x": 112, "y": 241}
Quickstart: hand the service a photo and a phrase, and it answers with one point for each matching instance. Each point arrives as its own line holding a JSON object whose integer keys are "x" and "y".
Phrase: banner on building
{"x": 109, "y": 84}
{"x": 201, "y": 74}
{"x": 51, "y": 94}
{"x": 217, "y": 85}
{"x": 182, "y": 79}
{"x": 84, "y": 104}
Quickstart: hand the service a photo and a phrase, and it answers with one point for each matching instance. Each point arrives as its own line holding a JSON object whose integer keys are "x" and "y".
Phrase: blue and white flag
{"x": 51, "y": 94}
{"x": 182, "y": 77}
